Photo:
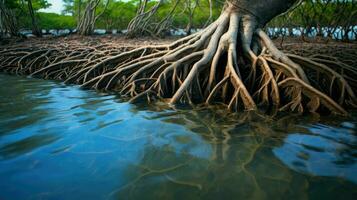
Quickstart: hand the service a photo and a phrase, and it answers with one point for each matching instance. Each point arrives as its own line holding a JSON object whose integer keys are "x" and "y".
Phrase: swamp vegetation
{"x": 223, "y": 112}
{"x": 232, "y": 62}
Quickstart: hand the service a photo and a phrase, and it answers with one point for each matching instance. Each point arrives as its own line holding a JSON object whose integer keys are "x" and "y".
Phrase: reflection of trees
{"x": 241, "y": 163}
{"x": 20, "y": 106}
{"x": 26, "y": 145}
{"x": 328, "y": 151}
{"x": 20, "y": 99}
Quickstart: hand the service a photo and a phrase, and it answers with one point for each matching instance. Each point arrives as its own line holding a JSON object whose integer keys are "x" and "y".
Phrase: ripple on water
{"x": 60, "y": 142}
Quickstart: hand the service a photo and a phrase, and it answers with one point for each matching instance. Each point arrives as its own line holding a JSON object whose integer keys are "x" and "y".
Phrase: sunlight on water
{"x": 60, "y": 142}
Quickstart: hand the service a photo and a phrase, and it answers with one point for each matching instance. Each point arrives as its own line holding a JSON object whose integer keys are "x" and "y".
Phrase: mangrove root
{"x": 232, "y": 62}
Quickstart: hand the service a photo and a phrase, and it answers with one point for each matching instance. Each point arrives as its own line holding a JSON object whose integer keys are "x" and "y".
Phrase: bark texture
{"x": 231, "y": 62}
{"x": 8, "y": 22}
{"x": 36, "y": 30}
{"x": 86, "y": 24}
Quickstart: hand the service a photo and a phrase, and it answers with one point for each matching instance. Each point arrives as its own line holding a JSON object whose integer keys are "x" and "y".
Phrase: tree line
{"x": 159, "y": 17}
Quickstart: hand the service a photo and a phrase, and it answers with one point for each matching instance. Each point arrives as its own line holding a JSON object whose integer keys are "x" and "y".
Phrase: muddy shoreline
{"x": 343, "y": 51}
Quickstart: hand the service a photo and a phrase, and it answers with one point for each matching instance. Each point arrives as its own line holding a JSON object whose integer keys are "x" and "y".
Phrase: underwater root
{"x": 231, "y": 62}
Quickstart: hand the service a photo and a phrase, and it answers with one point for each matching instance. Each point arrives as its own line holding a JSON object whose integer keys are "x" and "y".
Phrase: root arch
{"x": 232, "y": 62}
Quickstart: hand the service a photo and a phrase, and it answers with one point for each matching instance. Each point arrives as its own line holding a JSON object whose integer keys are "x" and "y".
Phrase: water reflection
{"x": 86, "y": 145}
{"x": 247, "y": 158}
{"x": 326, "y": 151}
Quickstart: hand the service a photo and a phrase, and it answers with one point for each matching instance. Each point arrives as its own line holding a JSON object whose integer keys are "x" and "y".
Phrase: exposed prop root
{"x": 231, "y": 62}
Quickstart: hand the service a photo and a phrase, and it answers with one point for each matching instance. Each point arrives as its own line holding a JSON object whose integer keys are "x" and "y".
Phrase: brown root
{"x": 231, "y": 62}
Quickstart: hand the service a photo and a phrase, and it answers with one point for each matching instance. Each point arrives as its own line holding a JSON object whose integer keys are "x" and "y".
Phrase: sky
{"x": 57, "y": 6}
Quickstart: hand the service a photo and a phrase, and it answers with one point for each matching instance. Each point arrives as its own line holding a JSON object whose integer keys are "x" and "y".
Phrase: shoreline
{"x": 344, "y": 51}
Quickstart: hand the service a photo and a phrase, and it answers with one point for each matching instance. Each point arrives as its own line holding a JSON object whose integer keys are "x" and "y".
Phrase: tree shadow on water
{"x": 241, "y": 161}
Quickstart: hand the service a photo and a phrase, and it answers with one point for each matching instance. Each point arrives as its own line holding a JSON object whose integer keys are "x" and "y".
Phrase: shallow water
{"x": 60, "y": 142}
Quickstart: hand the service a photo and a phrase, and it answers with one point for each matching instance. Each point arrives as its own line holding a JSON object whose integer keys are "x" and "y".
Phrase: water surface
{"x": 60, "y": 142}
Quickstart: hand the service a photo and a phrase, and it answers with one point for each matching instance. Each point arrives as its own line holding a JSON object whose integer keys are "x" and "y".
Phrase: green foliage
{"x": 120, "y": 12}
{"x": 40, "y": 4}
{"x": 117, "y": 15}
{"x": 12, "y": 4}
{"x": 21, "y": 4}
{"x": 56, "y": 21}
{"x": 311, "y": 13}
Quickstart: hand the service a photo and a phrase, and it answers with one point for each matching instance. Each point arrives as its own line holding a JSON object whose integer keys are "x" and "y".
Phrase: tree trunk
{"x": 191, "y": 12}
{"x": 87, "y": 22}
{"x": 79, "y": 11}
{"x": 8, "y": 22}
{"x": 231, "y": 62}
{"x": 140, "y": 23}
{"x": 35, "y": 28}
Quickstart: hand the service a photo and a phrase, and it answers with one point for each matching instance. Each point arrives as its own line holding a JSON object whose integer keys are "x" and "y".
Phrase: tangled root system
{"x": 231, "y": 62}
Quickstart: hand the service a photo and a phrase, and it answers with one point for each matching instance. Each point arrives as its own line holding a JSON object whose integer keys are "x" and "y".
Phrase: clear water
{"x": 60, "y": 142}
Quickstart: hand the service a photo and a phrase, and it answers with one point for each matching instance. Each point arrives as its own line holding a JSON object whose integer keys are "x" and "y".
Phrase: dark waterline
{"x": 60, "y": 142}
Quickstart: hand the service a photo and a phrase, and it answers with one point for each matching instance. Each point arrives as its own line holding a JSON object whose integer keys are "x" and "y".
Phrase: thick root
{"x": 231, "y": 62}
